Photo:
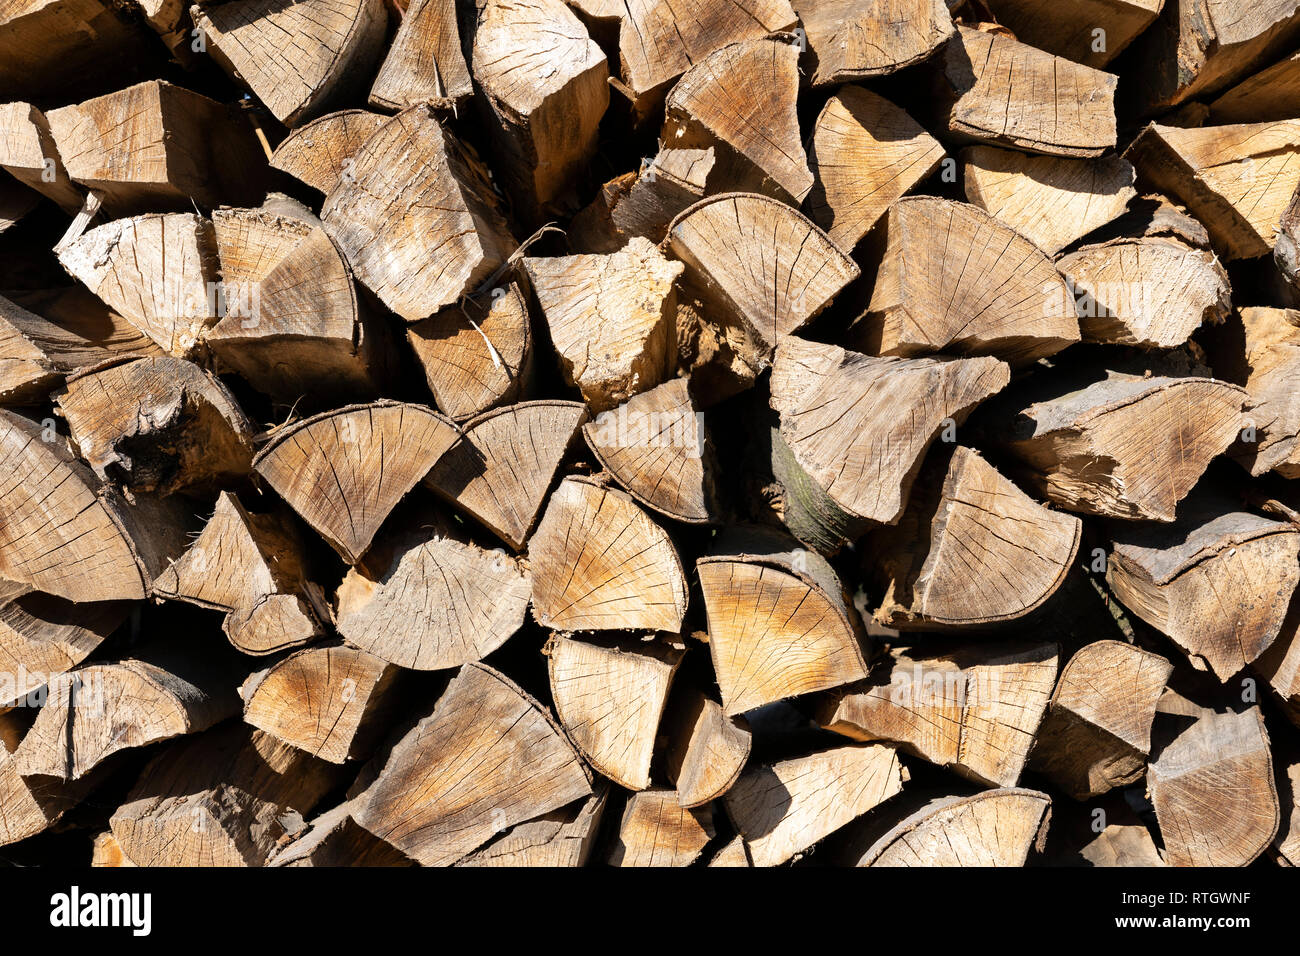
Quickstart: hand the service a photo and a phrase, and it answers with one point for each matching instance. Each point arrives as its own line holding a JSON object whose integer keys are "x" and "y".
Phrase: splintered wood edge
{"x": 275, "y": 438}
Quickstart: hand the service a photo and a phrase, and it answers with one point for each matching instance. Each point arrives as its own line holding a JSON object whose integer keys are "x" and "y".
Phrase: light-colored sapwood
{"x": 320, "y": 152}
{"x": 851, "y": 41}
{"x": 707, "y": 749}
{"x": 424, "y": 64}
{"x": 657, "y": 831}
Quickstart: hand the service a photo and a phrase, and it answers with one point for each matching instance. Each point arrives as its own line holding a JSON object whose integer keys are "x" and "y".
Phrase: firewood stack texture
{"x": 545, "y": 433}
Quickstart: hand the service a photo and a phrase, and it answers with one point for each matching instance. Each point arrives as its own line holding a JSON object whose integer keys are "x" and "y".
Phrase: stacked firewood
{"x": 511, "y": 432}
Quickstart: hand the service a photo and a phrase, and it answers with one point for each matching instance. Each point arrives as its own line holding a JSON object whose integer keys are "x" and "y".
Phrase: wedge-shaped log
{"x": 1049, "y": 200}
{"x": 157, "y": 425}
{"x": 476, "y": 354}
{"x": 950, "y": 277}
{"x": 36, "y": 353}
{"x": 157, "y": 146}
{"x": 343, "y": 471}
{"x": 1097, "y": 732}
{"x": 760, "y": 266}
{"x": 325, "y": 700}
{"x": 610, "y": 697}
{"x": 1126, "y": 446}
{"x": 293, "y": 326}
{"x": 859, "y": 426}
{"x": 974, "y": 708}
{"x": 1213, "y": 791}
{"x": 779, "y": 624}
{"x": 28, "y": 152}
{"x": 707, "y": 749}
{"x": 1152, "y": 293}
{"x": 1272, "y": 366}
{"x": 545, "y": 129}
{"x": 102, "y": 709}
{"x": 42, "y": 636}
{"x": 1092, "y": 32}
{"x": 334, "y": 839}
{"x": 645, "y": 202}
{"x": 428, "y": 599}
{"x": 1217, "y": 582}
{"x": 335, "y": 44}
{"x": 865, "y": 153}
{"x": 1237, "y": 180}
{"x": 1267, "y": 95}
{"x": 250, "y": 566}
{"x": 655, "y": 445}
{"x": 488, "y": 757}
{"x": 32, "y": 805}
{"x": 733, "y": 854}
{"x": 611, "y": 319}
{"x": 656, "y": 830}
{"x": 971, "y": 549}
{"x": 502, "y": 469}
{"x": 850, "y": 41}
{"x": 425, "y": 63}
{"x": 1009, "y": 93}
{"x": 159, "y": 271}
{"x": 994, "y": 828}
{"x": 320, "y": 152}
{"x": 784, "y": 808}
{"x": 564, "y": 837}
{"x": 223, "y": 798}
{"x": 599, "y": 563}
{"x": 415, "y": 218}
{"x": 742, "y": 98}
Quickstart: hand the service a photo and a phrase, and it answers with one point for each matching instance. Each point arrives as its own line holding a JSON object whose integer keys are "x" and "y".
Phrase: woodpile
{"x": 566, "y": 433}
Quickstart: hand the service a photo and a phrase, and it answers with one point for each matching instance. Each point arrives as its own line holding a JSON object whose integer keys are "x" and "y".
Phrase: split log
{"x": 335, "y": 44}
{"x": 611, "y": 319}
{"x": 1268, "y": 95}
{"x": 157, "y": 425}
{"x": 599, "y": 563}
{"x": 995, "y": 828}
{"x": 865, "y": 454}
{"x": 1286, "y": 251}
{"x": 425, "y": 63}
{"x": 416, "y": 218}
{"x": 1126, "y": 446}
{"x": 646, "y": 202}
{"x": 1235, "y": 179}
{"x": 32, "y": 805}
{"x": 1213, "y": 792}
{"x": 107, "y": 852}
{"x": 609, "y": 697}
{"x": 318, "y": 153}
{"x": 476, "y": 354}
{"x": 741, "y": 98}
{"x": 224, "y": 798}
{"x": 1279, "y": 665}
{"x": 334, "y": 839}
{"x": 1049, "y": 200}
{"x": 1152, "y": 293}
{"x": 759, "y": 266}
{"x": 655, "y": 445}
{"x": 1199, "y": 48}
{"x": 1286, "y": 847}
{"x": 1122, "y": 845}
{"x": 560, "y": 838}
{"x": 343, "y": 471}
{"x": 1217, "y": 582}
{"x": 1009, "y": 93}
{"x": 971, "y": 549}
{"x": 974, "y": 709}
{"x": 707, "y": 750}
{"x": 545, "y": 129}
{"x": 1097, "y": 732}
{"x": 733, "y": 854}
{"x": 783, "y": 809}
{"x": 155, "y": 145}
{"x": 326, "y": 700}
{"x": 159, "y": 271}
{"x": 849, "y": 41}
{"x": 1092, "y": 32}
{"x": 950, "y": 277}
{"x": 487, "y": 758}
{"x": 865, "y": 153}
{"x": 28, "y": 152}
{"x": 779, "y": 624}
{"x": 658, "y": 41}
{"x": 77, "y": 541}
{"x": 656, "y": 830}
{"x": 429, "y": 599}
{"x": 43, "y": 637}
{"x": 99, "y": 710}
{"x": 36, "y": 353}
{"x": 1272, "y": 367}
{"x": 250, "y": 566}
{"x": 292, "y": 324}
{"x": 500, "y": 471}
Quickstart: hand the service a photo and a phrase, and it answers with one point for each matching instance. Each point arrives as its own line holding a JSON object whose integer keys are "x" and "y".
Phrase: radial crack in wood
{"x": 320, "y": 152}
